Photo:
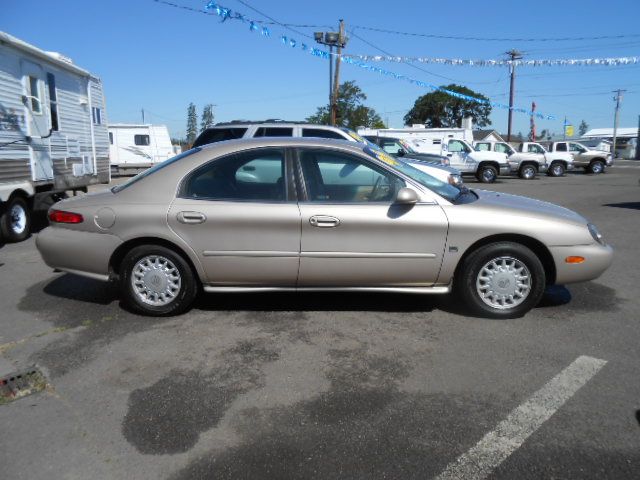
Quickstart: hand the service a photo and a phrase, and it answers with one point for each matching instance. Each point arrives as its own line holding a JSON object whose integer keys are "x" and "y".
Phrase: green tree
{"x": 439, "y": 109}
{"x": 192, "y": 123}
{"x": 207, "y": 117}
{"x": 351, "y": 112}
{"x": 582, "y": 129}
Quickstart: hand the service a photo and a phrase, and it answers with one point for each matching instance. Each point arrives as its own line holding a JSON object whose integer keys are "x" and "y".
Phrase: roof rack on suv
{"x": 256, "y": 122}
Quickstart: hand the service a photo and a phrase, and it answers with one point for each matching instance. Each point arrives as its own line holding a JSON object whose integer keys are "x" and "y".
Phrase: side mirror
{"x": 401, "y": 153}
{"x": 406, "y": 196}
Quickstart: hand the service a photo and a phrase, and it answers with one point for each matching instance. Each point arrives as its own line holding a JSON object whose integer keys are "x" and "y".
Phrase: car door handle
{"x": 191, "y": 217}
{"x": 324, "y": 221}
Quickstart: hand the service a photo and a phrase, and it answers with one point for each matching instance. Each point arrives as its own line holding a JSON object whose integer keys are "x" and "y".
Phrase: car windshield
{"x": 443, "y": 189}
{"x": 155, "y": 168}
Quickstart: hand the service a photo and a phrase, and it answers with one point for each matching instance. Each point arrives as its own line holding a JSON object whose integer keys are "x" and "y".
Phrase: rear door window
{"x": 274, "y": 132}
{"x": 251, "y": 176}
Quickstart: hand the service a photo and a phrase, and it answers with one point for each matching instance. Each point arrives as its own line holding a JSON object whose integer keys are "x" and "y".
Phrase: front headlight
{"x": 595, "y": 233}
{"x": 455, "y": 179}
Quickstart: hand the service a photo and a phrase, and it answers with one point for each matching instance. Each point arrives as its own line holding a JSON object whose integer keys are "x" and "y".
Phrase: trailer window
{"x": 53, "y": 101}
{"x": 34, "y": 94}
{"x": 142, "y": 140}
{"x": 96, "y": 113}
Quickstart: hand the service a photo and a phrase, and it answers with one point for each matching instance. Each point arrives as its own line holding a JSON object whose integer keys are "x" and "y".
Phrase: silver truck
{"x": 530, "y": 158}
{"x": 593, "y": 161}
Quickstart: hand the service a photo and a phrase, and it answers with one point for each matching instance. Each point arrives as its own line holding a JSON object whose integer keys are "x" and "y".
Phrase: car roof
{"x": 270, "y": 123}
{"x": 257, "y": 142}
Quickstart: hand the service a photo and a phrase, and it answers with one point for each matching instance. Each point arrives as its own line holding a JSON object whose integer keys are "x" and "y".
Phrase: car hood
{"x": 413, "y": 159}
{"x": 511, "y": 204}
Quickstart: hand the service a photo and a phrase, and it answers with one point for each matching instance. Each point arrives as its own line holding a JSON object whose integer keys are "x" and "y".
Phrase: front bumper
{"x": 597, "y": 259}
{"x": 75, "y": 251}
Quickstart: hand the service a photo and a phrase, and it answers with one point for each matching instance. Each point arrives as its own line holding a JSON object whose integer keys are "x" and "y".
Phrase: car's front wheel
{"x": 487, "y": 174}
{"x": 556, "y": 169}
{"x": 527, "y": 172}
{"x": 501, "y": 280}
{"x": 156, "y": 281}
{"x": 596, "y": 167}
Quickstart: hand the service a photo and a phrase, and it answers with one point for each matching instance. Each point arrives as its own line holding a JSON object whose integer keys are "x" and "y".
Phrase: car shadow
{"x": 555, "y": 296}
{"x": 318, "y": 301}
{"x": 629, "y": 205}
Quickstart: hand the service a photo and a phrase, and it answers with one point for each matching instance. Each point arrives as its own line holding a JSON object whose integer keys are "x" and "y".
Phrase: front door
{"x": 458, "y": 152}
{"x": 37, "y": 120}
{"x": 353, "y": 234}
{"x": 240, "y": 217}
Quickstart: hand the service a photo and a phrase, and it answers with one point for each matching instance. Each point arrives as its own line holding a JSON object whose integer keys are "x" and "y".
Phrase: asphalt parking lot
{"x": 332, "y": 385}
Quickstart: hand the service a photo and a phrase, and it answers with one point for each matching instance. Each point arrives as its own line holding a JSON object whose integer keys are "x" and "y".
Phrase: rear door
{"x": 239, "y": 214}
{"x": 37, "y": 116}
{"x": 353, "y": 234}
{"x": 458, "y": 153}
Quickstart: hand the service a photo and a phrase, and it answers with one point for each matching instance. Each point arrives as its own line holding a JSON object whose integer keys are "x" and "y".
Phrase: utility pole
{"x": 333, "y": 39}
{"x": 336, "y": 80}
{"x": 513, "y": 56}
{"x": 638, "y": 141}
{"x": 617, "y": 99}
{"x": 143, "y": 116}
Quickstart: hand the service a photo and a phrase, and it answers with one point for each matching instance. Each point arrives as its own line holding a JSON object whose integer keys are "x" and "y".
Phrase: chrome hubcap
{"x": 596, "y": 168}
{"x": 557, "y": 170}
{"x": 529, "y": 172}
{"x": 488, "y": 175}
{"x": 18, "y": 219}
{"x": 504, "y": 282}
{"x": 156, "y": 280}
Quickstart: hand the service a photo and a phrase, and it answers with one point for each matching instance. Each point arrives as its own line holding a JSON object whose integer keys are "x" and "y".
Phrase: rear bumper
{"x": 597, "y": 259}
{"x": 83, "y": 253}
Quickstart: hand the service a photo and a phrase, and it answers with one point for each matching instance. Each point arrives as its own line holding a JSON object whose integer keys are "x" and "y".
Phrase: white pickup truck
{"x": 530, "y": 159}
{"x": 485, "y": 165}
{"x": 593, "y": 161}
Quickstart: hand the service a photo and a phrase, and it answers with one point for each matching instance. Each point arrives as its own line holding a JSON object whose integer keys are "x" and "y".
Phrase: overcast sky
{"x": 157, "y": 57}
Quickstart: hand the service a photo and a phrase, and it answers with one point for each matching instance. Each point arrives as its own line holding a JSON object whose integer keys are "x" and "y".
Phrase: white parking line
{"x": 507, "y": 437}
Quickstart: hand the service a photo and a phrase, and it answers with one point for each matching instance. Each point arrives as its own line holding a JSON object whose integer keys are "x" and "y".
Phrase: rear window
{"x": 274, "y": 132}
{"x": 155, "y": 168}
{"x": 213, "y": 135}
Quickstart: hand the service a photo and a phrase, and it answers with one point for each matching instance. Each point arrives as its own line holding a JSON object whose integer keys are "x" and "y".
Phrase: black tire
{"x": 528, "y": 172}
{"x": 183, "y": 296}
{"x": 467, "y": 277}
{"x": 487, "y": 174}
{"x": 597, "y": 166}
{"x": 556, "y": 169}
{"x": 15, "y": 221}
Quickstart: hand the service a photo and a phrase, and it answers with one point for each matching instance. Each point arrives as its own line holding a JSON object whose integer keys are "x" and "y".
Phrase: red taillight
{"x": 60, "y": 216}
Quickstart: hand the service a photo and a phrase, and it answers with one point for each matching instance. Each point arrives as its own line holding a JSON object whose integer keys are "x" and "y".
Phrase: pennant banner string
{"x": 226, "y": 14}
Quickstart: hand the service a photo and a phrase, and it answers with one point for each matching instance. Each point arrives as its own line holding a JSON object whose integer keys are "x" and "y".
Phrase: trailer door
{"x": 37, "y": 119}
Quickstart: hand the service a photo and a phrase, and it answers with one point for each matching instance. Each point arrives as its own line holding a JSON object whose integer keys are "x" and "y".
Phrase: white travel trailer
{"x": 138, "y": 146}
{"x": 53, "y": 132}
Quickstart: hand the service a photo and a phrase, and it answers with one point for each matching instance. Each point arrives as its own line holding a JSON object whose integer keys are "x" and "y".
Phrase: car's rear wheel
{"x": 15, "y": 222}
{"x": 156, "y": 281}
{"x": 527, "y": 172}
{"x": 556, "y": 169}
{"x": 487, "y": 174}
{"x": 501, "y": 280}
{"x": 596, "y": 167}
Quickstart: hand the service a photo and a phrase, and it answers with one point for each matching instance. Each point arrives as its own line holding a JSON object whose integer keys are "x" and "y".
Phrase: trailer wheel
{"x": 15, "y": 222}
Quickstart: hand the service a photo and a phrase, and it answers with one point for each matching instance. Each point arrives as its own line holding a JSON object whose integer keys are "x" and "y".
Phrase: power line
{"x": 287, "y": 26}
{"x": 494, "y": 39}
{"x": 261, "y": 22}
